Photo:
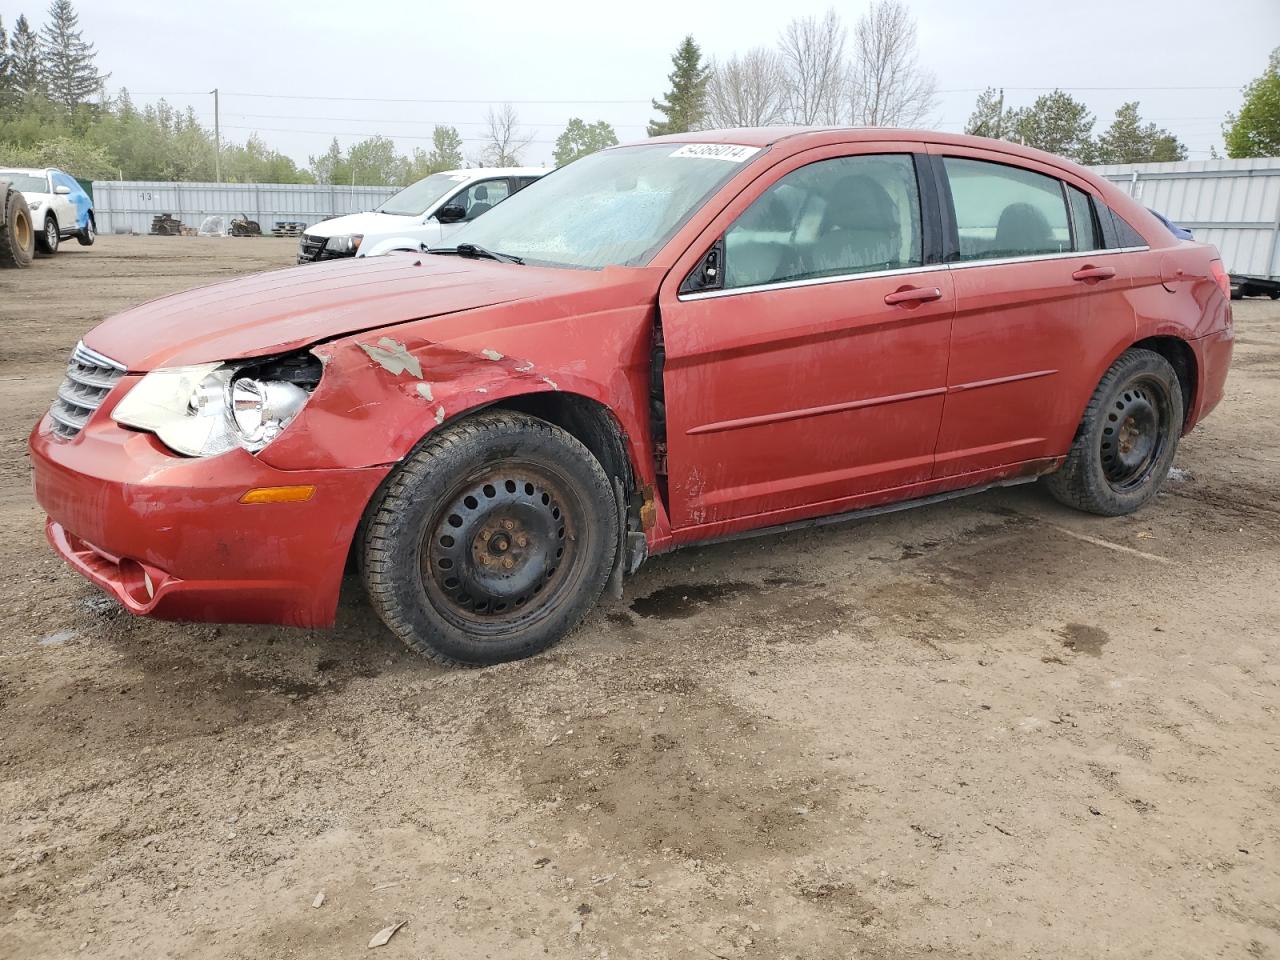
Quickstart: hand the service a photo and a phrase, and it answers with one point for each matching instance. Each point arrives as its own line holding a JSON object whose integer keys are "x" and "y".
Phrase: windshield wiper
{"x": 474, "y": 251}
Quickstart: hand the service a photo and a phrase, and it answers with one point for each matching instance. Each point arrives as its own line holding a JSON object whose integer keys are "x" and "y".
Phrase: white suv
{"x": 422, "y": 214}
{"x": 60, "y": 209}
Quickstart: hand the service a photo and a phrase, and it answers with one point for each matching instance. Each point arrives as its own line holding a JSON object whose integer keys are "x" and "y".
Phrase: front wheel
{"x": 491, "y": 541}
{"x": 1125, "y": 444}
{"x": 47, "y": 241}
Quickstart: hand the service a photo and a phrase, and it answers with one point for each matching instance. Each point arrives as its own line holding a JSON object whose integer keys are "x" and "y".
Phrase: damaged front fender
{"x": 379, "y": 396}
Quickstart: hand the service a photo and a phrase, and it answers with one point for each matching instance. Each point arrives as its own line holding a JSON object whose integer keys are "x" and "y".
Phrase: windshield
{"x": 613, "y": 208}
{"x": 417, "y": 198}
{"x": 25, "y": 182}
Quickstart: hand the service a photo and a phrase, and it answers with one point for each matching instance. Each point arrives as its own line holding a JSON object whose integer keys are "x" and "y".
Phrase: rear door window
{"x": 1003, "y": 211}
{"x": 847, "y": 215}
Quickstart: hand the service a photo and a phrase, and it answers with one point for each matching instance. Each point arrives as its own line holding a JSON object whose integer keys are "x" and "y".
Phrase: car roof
{"x": 30, "y": 171}
{"x": 802, "y": 138}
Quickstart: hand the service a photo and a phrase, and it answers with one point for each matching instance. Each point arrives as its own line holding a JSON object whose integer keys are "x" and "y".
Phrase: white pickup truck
{"x": 424, "y": 213}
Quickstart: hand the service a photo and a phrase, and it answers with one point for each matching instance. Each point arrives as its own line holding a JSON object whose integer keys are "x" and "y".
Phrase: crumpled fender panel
{"x": 384, "y": 390}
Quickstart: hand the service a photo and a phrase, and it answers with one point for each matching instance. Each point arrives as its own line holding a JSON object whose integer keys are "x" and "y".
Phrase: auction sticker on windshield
{"x": 732, "y": 152}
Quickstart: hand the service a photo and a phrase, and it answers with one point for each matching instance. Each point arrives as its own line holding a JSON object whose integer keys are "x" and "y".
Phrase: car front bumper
{"x": 169, "y": 537}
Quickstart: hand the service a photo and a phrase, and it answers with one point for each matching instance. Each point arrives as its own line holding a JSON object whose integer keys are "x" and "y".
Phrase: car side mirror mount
{"x": 62, "y": 190}
{"x": 709, "y": 273}
{"x": 451, "y": 213}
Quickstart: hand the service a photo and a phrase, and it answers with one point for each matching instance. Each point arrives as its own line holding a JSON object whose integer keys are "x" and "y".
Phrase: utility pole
{"x": 999, "y": 115}
{"x": 217, "y": 138}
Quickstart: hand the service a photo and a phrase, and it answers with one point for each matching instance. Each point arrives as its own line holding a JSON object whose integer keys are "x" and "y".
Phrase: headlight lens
{"x": 35, "y": 204}
{"x": 209, "y": 408}
{"x": 262, "y": 409}
{"x": 344, "y": 244}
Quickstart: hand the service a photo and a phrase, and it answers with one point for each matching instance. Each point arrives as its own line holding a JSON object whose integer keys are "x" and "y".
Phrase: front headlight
{"x": 35, "y": 204}
{"x": 344, "y": 244}
{"x": 209, "y": 408}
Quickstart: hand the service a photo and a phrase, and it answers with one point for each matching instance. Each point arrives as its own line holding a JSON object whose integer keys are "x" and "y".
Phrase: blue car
{"x": 60, "y": 209}
{"x": 1182, "y": 233}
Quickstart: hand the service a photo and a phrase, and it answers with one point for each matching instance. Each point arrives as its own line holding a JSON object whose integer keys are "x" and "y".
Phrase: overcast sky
{"x": 544, "y": 57}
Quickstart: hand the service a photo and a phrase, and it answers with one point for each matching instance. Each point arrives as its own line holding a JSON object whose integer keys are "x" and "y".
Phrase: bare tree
{"x": 747, "y": 91}
{"x": 888, "y": 87}
{"x": 815, "y": 72}
{"x": 504, "y": 137}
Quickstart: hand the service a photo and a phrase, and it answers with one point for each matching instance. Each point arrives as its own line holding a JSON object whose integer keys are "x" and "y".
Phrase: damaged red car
{"x": 662, "y": 344}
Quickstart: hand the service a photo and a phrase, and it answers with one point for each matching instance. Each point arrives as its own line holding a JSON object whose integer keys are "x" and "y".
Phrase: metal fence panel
{"x": 127, "y": 206}
{"x": 1233, "y": 204}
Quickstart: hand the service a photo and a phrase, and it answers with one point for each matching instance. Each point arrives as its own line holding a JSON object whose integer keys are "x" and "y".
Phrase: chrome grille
{"x": 310, "y": 248}
{"x": 90, "y": 377}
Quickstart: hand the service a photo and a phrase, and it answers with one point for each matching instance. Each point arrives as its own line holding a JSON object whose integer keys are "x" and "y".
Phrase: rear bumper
{"x": 168, "y": 537}
{"x": 1213, "y": 359}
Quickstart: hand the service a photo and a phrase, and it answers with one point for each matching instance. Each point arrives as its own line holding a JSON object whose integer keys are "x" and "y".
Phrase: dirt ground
{"x": 993, "y": 728}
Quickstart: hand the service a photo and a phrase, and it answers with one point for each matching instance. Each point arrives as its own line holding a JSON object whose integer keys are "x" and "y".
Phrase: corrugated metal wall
{"x": 1233, "y": 204}
{"x": 127, "y": 206}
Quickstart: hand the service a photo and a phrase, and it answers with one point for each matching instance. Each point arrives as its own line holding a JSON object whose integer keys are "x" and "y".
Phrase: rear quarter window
{"x": 1126, "y": 236}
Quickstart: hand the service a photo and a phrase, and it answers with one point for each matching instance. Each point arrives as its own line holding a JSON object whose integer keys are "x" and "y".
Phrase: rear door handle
{"x": 1093, "y": 274}
{"x": 913, "y": 295}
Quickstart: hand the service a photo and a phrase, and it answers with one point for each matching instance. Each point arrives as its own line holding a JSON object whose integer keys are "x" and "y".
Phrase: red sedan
{"x": 677, "y": 341}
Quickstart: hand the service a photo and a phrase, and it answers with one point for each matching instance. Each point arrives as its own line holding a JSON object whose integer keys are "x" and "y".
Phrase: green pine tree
{"x": 446, "y": 149}
{"x": 1056, "y": 123}
{"x": 580, "y": 138}
{"x": 69, "y": 71}
{"x": 1255, "y": 130}
{"x": 686, "y": 105}
{"x": 1129, "y": 140}
{"x": 25, "y": 71}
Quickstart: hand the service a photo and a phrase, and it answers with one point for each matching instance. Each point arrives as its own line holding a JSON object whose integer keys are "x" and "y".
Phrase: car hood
{"x": 33, "y": 197}
{"x": 363, "y": 223}
{"x": 282, "y": 310}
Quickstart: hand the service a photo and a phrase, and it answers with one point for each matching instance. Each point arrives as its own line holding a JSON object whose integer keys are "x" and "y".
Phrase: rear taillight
{"x": 1220, "y": 275}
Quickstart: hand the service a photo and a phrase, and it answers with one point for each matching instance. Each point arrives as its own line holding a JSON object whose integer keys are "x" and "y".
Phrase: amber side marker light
{"x": 278, "y": 494}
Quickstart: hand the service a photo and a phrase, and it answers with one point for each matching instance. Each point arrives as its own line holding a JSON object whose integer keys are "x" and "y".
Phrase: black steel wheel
{"x": 1126, "y": 440}
{"x": 500, "y": 547}
{"x": 1134, "y": 435}
{"x": 491, "y": 541}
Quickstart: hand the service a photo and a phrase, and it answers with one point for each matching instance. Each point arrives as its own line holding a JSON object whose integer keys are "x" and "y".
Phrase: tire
{"x": 48, "y": 238}
{"x": 90, "y": 233}
{"x": 17, "y": 237}
{"x": 1127, "y": 440}
{"x": 491, "y": 541}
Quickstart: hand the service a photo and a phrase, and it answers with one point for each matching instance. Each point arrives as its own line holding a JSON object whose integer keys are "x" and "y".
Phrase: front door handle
{"x": 1093, "y": 274}
{"x": 910, "y": 296}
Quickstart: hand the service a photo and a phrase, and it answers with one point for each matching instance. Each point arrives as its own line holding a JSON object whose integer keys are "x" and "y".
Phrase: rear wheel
{"x": 491, "y": 541}
{"x": 47, "y": 241}
{"x": 86, "y": 236}
{"x": 17, "y": 238}
{"x": 1128, "y": 437}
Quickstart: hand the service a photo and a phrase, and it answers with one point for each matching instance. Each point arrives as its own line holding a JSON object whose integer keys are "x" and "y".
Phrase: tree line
{"x": 55, "y": 110}
{"x": 817, "y": 72}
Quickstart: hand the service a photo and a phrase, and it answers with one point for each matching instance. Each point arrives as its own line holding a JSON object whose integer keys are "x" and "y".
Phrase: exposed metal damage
{"x": 393, "y": 356}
